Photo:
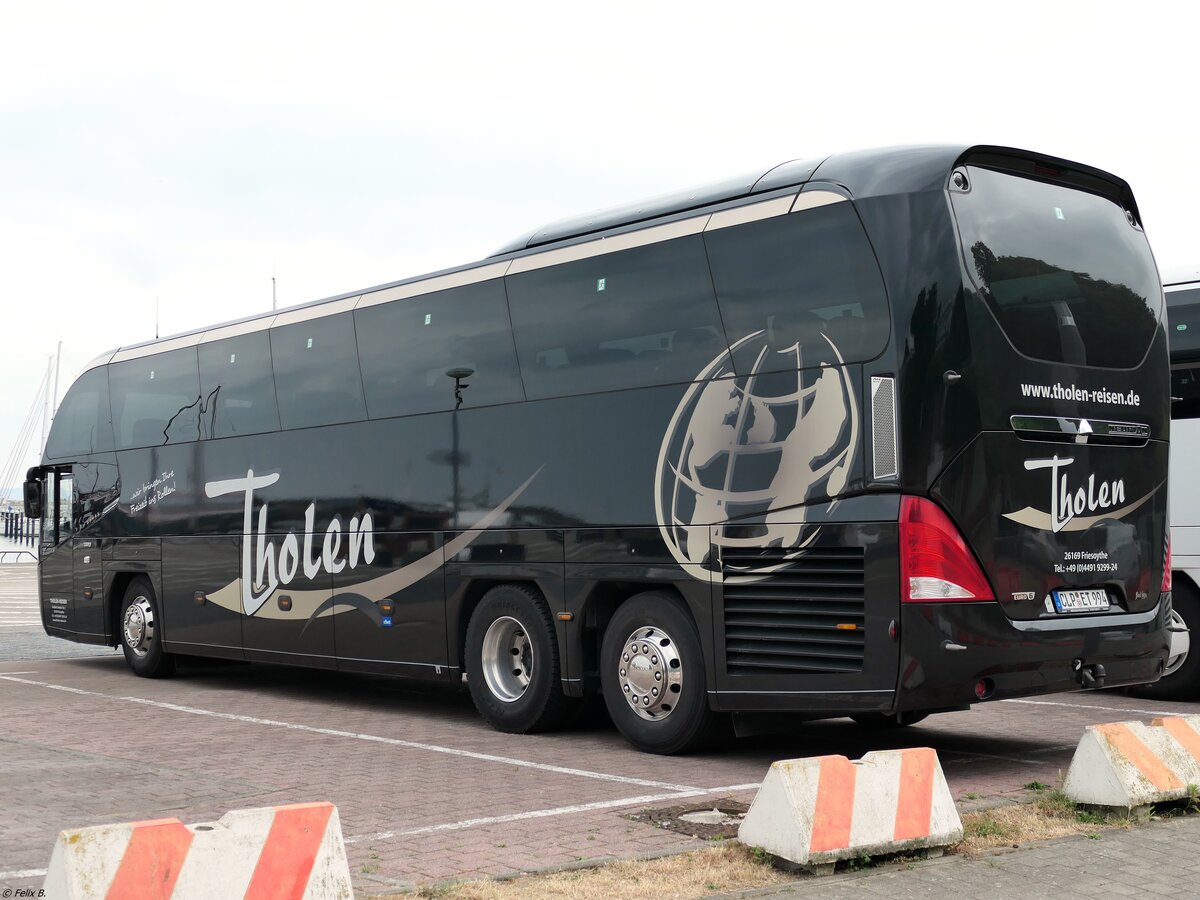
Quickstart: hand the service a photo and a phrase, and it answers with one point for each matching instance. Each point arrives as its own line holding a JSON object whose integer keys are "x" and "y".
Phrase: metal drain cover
{"x": 717, "y": 822}
{"x": 710, "y": 817}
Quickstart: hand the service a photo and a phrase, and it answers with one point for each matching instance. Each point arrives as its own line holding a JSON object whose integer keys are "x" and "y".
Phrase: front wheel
{"x": 141, "y": 632}
{"x": 652, "y": 674}
{"x": 1181, "y": 676}
{"x": 512, "y": 662}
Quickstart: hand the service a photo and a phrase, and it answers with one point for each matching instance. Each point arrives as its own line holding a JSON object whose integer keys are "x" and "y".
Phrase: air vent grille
{"x": 805, "y": 617}
{"x": 883, "y": 426}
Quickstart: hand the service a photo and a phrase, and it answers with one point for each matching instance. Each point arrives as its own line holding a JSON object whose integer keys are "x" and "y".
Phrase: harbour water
{"x": 9, "y": 547}
{"x": 11, "y": 519}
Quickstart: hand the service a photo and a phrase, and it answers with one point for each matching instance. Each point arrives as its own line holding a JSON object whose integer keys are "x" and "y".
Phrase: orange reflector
{"x": 846, "y": 627}
{"x": 566, "y": 617}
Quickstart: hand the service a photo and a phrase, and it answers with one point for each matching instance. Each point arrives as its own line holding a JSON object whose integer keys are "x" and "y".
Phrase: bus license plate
{"x": 1081, "y": 601}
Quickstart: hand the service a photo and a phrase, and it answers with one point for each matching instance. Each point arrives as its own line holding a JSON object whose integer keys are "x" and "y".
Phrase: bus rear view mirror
{"x": 33, "y": 499}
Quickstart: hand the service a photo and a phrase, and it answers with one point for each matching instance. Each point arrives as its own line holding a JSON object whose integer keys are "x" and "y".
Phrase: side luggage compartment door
{"x": 202, "y": 595}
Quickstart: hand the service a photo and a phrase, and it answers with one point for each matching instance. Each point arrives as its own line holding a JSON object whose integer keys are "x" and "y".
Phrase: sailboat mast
{"x": 46, "y": 405}
{"x": 57, "y": 362}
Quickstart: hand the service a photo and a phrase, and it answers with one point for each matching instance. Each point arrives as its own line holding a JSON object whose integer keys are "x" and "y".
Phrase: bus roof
{"x": 863, "y": 174}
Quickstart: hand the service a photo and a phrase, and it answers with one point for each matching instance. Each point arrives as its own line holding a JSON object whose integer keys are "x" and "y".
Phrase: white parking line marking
{"x": 1122, "y": 709}
{"x": 394, "y": 742}
{"x": 555, "y": 811}
{"x": 23, "y": 873}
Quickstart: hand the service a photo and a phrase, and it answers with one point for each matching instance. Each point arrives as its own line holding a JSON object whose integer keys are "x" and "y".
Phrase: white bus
{"x": 1181, "y": 678}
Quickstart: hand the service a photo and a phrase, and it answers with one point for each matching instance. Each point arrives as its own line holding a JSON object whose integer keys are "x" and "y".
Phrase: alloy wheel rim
{"x": 138, "y": 626}
{"x": 507, "y": 659}
{"x": 650, "y": 673}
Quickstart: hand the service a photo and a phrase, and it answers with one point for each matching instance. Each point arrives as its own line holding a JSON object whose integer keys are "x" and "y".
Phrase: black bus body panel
{"x": 949, "y": 648}
{"x": 192, "y": 568}
{"x": 567, "y": 494}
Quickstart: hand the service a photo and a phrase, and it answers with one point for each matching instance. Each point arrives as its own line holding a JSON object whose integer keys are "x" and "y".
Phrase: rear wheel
{"x": 140, "y": 630}
{"x": 512, "y": 662}
{"x": 1181, "y": 676}
{"x": 652, "y": 674}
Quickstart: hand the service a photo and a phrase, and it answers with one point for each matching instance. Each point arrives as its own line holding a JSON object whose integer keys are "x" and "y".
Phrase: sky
{"x": 160, "y": 163}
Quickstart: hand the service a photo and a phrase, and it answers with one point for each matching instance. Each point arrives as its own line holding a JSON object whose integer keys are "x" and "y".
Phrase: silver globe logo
{"x": 745, "y": 456}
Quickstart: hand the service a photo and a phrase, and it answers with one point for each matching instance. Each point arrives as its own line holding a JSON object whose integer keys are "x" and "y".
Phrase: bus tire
{"x": 883, "y": 721}
{"x": 1181, "y": 679}
{"x": 140, "y": 632}
{"x": 513, "y": 669}
{"x": 652, "y": 675}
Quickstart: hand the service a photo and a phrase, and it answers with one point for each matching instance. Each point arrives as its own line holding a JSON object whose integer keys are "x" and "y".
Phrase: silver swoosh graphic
{"x": 1035, "y": 518}
{"x": 306, "y": 603}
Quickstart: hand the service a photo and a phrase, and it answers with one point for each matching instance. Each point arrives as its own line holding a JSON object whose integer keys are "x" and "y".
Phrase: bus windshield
{"x": 1065, "y": 273}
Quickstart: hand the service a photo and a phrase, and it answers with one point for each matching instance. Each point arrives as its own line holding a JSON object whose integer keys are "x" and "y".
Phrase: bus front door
{"x": 55, "y": 566}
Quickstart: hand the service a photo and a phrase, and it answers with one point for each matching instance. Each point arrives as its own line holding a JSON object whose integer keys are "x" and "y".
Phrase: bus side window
{"x": 50, "y": 509}
{"x": 804, "y": 279}
{"x": 317, "y": 380}
{"x": 82, "y": 424}
{"x": 1185, "y": 392}
{"x": 58, "y": 520}
{"x": 607, "y": 322}
{"x": 460, "y": 328}
{"x": 156, "y": 399}
{"x": 66, "y": 506}
{"x": 237, "y": 386}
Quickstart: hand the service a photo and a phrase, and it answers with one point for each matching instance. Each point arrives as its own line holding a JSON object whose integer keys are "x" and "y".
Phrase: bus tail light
{"x": 1166, "y": 582}
{"x": 935, "y": 562}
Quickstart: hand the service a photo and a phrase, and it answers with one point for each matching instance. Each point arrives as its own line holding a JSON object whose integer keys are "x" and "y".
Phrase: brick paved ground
{"x": 413, "y": 811}
{"x": 1156, "y": 860}
{"x": 21, "y": 634}
{"x": 84, "y": 742}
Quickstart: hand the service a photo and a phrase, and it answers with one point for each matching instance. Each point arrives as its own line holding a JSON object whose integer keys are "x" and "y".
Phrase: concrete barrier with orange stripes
{"x": 293, "y": 852}
{"x": 1125, "y": 765}
{"x": 818, "y": 810}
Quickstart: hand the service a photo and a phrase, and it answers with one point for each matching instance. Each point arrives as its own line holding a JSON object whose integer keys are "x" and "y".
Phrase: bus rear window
{"x": 1069, "y": 279}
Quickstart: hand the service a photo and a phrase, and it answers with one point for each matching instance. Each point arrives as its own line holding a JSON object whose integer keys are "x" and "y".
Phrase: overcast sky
{"x": 185, "y": 154}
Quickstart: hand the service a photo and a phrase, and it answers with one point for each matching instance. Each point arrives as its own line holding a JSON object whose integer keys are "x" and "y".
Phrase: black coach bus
{"x": 879, "y": 435}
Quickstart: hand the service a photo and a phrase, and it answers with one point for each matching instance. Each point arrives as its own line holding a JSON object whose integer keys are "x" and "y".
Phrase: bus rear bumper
{"x": 961, "y": 653}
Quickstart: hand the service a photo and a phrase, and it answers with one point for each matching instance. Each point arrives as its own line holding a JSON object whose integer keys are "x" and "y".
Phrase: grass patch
{"x": 986, "y": 825}
{"x": 1051, "y": 815}
{"x": 1056, "y": 804}
{"x": 729, "y": 866}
